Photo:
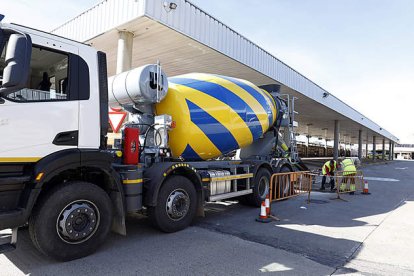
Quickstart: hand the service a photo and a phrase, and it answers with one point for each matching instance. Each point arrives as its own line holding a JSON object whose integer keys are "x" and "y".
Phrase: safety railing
{"x": 290, "y": 184}
{"x": 286, "y": 185}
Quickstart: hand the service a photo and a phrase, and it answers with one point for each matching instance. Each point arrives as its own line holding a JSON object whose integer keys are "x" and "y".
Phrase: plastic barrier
{"x": 290, "y": 184}
{"x": 348, "y": 183}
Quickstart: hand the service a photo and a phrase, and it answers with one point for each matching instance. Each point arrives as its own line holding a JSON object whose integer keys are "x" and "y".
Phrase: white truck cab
{"x": 56, "y": 96}
{"x": 53, "y": 125}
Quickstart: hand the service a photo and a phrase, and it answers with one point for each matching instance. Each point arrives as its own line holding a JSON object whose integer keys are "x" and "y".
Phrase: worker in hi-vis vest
{"x": 349, "y": 173}
{"x": 328, "y": 169}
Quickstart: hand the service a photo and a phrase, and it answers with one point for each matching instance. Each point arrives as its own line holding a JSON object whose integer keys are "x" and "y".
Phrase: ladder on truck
{"x": 290, "y": 100}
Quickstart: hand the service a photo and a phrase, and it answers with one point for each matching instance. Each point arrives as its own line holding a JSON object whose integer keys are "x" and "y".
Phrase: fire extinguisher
{"x": 131, "y": 146}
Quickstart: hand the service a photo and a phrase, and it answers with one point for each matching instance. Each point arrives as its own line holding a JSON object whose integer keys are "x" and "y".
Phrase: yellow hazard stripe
{"x": 202, "y": 142}
{"x": 266, "y": 95}
{"x": 272, "y": 100}
{"x": 229, "y": 119}
{"x": 132, "y": 181}
{"x": 19, "y": 159}
{"x": 251, "y": 101}
{"x": 179, "y": 138}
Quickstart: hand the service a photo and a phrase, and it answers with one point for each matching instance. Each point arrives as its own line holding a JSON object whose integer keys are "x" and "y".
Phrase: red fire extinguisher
{"x": 131, "y": 146}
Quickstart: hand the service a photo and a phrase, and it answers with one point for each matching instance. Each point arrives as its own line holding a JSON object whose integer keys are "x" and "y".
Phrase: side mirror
{"x": 17, "y": 61}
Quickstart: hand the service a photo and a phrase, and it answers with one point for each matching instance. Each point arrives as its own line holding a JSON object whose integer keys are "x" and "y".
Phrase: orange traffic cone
{"x": 365, "y": 190}
{"x": 263, "y": 215}
{"x": 267, "y": 202}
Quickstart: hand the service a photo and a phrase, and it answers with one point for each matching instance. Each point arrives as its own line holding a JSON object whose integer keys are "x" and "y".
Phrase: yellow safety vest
{"x": 348, "y": 166}
{"x": 327, "y": 164}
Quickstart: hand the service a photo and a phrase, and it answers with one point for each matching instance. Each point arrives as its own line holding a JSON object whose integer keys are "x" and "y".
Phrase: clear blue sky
{"x": 362, "y": 51}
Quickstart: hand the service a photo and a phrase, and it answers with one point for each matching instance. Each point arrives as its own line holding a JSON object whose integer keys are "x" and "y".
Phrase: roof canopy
{"x": 186, "y": 39}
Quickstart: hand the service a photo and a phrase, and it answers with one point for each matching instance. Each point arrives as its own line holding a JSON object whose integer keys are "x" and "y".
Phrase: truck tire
{"x": 71, "y": 220}
{"x": 261, "y": 186}
{"x": 176, "y": 205}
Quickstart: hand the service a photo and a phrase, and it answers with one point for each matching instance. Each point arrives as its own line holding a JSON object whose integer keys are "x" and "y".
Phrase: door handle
{"x": 67, "y": 138}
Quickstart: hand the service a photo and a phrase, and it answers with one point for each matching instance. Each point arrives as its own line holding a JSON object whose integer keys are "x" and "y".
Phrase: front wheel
{"x": 176, "y": 205}
{"x": 71, "y": 221}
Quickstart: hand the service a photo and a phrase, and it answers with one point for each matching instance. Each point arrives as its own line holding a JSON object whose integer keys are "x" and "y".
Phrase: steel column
{"x": 336, "y": 140}
{"x": 383, "y": 149}
{"x": 124, "y": 55}
{"x": 360, "y": 145}
{"x": 389, "y": 151}
{"x": 374, "y": 148}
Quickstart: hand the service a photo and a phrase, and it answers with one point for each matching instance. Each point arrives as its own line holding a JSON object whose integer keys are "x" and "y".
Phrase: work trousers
{"x": 332, "y": 182}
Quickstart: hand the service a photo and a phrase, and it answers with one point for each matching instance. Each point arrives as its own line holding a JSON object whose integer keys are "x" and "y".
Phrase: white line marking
{"x": 380, "y": 179}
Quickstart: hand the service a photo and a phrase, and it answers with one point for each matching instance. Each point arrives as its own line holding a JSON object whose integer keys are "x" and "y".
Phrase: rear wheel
{"x": 260, "y": 189}
{"x": 71, "y": 221}
{"x": 176, "y": 205}
{"x": 287, "y": 188}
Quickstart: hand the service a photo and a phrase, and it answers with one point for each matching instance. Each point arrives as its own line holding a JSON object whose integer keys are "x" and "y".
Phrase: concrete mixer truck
{"x": 58, "y": 175}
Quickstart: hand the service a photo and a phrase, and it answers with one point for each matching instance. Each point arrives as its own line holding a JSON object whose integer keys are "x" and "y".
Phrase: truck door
{"x": 41, "y": 118}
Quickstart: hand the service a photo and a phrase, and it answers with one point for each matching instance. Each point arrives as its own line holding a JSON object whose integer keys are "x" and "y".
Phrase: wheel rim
{"x": 178, "y": 204}
{"x": 263, "y": 186}
{"x": 78, "y": 221}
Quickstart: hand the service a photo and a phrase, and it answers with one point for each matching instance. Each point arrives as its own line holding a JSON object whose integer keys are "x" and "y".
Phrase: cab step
{"x": 229, "y": 195}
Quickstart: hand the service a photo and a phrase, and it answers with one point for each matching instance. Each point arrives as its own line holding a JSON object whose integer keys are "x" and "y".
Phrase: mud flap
{"x": 118, "y": 222}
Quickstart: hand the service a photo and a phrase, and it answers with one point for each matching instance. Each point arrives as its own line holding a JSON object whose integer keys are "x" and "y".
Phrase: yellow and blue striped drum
{"x": 215, "y": 114}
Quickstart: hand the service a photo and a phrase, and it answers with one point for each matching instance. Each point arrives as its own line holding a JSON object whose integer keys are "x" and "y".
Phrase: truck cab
{"x": 50, "y": 88}
{"x": 53, "y": 123}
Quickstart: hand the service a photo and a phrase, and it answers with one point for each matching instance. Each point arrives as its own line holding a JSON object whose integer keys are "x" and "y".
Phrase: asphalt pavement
{"x": 363, "y": 235}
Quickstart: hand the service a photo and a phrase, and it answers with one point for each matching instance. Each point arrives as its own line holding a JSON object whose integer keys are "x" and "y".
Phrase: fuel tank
{"x": 215, "y": 114}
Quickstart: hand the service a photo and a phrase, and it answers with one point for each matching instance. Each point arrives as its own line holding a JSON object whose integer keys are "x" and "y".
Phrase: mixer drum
{"x": 215, "y": 114}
